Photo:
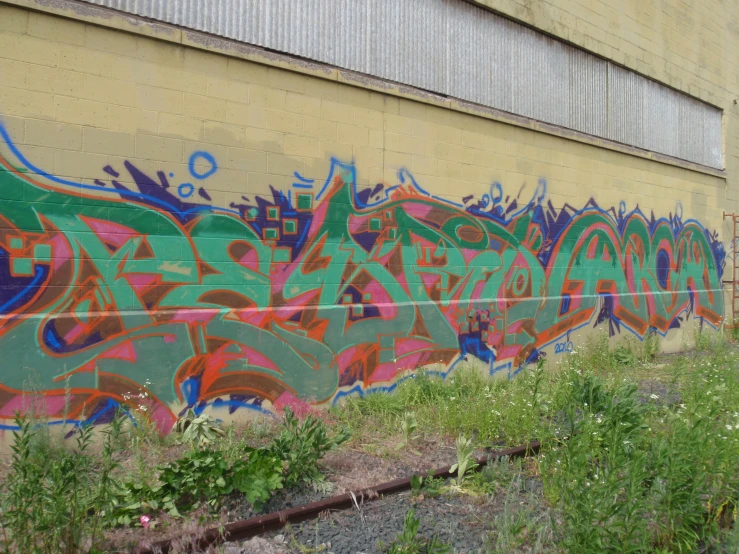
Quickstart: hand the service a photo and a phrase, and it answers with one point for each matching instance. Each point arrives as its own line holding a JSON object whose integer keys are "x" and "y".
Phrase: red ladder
{"x": 734, "y": 281}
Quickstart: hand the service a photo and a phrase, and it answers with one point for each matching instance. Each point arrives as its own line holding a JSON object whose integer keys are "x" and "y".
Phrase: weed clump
{"x": 60, "y": 502}
{"x": 635, "y": 476}
{"x": 63, "y": 503}
{"x": 301, "y": 444}
{"x": 409, "y": 542}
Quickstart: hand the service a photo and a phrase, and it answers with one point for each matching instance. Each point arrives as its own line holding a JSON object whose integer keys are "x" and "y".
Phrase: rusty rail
{"x": 248, "y": 528}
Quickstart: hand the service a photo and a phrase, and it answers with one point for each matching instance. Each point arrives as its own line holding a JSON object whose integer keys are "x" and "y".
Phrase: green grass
{"x": 640, "y": 475}
{"x": 639, "y": 454}
{"x": 467, "y": 402}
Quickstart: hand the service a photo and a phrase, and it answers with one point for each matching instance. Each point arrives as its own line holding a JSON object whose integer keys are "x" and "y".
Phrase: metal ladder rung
{"x": 734, "y": 282}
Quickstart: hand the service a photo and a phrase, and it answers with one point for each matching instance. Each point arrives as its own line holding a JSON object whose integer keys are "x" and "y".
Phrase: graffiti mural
{"x": 137, "y": 282}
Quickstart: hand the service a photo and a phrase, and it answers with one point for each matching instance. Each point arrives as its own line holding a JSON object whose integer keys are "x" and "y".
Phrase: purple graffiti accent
{"x": 606, "y": 314}
{"x": 110, "y": 171}
{"x": 258, "y": 217}
{"x": 663, "y": 267}
{"x": 365, "y": 195}
{"x": 237, "y": 401}
{"x": 203, "y": 194}
{"x": 242, "y": 208}
{"x": 157, "y": 191}
{"x": 719, "y": 251}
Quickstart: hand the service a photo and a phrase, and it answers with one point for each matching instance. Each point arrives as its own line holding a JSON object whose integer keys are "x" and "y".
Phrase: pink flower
{"x": 145, "y": 521}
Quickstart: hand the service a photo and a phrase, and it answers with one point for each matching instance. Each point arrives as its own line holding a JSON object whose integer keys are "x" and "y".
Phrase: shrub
{"x": 301, "y": 444}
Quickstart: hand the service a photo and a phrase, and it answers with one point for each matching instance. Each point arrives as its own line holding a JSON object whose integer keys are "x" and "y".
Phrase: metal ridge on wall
{"x": 454, "y": 48}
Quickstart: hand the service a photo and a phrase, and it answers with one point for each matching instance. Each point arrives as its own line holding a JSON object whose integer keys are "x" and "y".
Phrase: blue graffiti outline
{"x": 134, "y": 195}
{"x": 181, "y": 190}
{"x": 207, "y": 156}
{"x": 299, "y": 177}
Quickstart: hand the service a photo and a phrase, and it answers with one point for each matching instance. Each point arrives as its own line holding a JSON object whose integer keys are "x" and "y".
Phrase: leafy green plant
{"x": 642, "y": 478}
{"x": 198, "y": 429}
{"x": 465, "y": 459}
{"x": 537, "y": 379}
{"x": 624, "y": 356}
{"x": 702, "y": 340}
{"x": 200, "y": 476}
{"x": 302, "y": 444}
{"x": 408, "y": 541}
{"x": 428, "y": 486}
{"x": 257, "y": 476}
{"x": 650, "y": 346}
{"x": 408, "y": 428}
{"x": 134, "y": 500}
{"x": 203, "y": 477}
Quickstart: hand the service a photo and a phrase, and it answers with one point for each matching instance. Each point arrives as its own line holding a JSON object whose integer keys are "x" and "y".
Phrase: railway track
{"x": 255, "y": 526}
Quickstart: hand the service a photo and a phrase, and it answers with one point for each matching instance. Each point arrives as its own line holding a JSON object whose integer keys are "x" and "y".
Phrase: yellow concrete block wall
{"x": 227, "y": 172}
{"x": 689, "y": 45}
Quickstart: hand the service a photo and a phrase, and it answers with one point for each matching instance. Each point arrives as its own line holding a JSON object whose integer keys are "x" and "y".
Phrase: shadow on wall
{"x": 322, "y": 290}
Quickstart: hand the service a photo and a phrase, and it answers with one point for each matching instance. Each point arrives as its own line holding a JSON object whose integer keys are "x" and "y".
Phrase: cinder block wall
{"x": 184, "y": 226}
{"x": 689, "y": 45}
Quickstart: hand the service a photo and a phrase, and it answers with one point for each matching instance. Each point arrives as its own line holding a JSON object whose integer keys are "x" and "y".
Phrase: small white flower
{"x": 654, "y": 397}
{"x": 729, "y": 427}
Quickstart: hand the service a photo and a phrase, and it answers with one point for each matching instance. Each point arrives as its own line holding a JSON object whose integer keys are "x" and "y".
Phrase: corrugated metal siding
{"x": 588, "y": 94}
{"x": 457, "y": 49}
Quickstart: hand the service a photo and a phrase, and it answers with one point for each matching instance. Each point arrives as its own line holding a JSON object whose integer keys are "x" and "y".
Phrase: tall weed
{"x": 632, "y": 476}
{"x": 56, "y": 503}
